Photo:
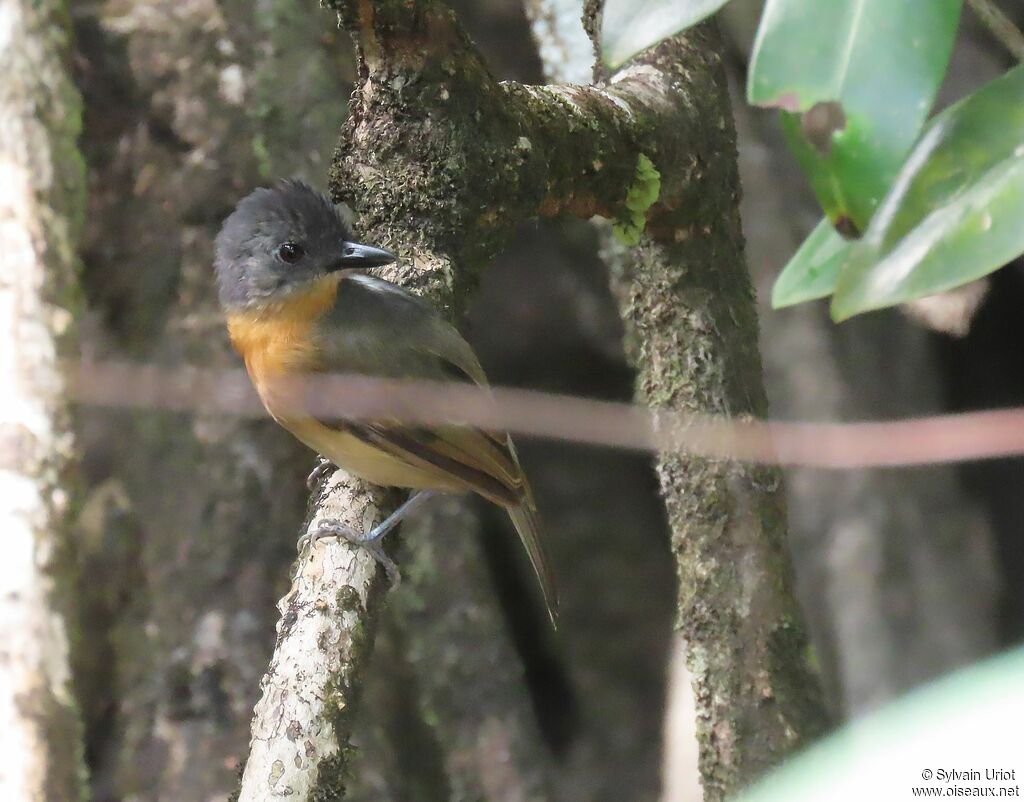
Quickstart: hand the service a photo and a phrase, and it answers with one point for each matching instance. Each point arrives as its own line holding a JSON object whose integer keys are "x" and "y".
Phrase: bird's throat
{"x": 275, "y": 341}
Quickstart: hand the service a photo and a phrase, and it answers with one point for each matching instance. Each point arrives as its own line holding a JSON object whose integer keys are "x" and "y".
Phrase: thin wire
{"x": 914, "y": 441}
{"x": 1000, "y": 26}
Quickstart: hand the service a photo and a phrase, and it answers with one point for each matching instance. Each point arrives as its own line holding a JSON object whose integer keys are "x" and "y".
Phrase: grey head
{"x": 279, "y": 240}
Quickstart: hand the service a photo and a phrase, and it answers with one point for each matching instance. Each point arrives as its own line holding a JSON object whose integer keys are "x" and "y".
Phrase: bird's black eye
{"x": 290, "y": 252}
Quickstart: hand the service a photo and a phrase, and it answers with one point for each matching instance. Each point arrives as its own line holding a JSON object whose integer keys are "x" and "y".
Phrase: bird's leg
{"x": 371, "y": 541}
{"x": 323, "y": 467}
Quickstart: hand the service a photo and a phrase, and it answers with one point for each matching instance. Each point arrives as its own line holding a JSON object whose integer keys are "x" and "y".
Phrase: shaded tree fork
{"x": 440, "y": 161}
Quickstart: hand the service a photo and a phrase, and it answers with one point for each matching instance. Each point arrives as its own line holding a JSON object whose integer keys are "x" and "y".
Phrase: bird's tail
{"x": 527, "y": 522}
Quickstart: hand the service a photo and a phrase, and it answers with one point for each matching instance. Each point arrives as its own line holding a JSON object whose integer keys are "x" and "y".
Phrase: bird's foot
{"x": 324, "y": 467}
{"x": 372, "y": 540}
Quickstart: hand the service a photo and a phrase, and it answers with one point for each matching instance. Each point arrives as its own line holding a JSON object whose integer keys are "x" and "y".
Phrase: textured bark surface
{"x": 568, "y": 55}
{"x": 41, "y": 205}
{"x": 191, "y": 522}
{"x": 692, "y": 332}
{"x": 693, "y": 329}
{"x": 468, "y": 687}
{"x": 689, "y": 301}
{"x": 302, "y": 725}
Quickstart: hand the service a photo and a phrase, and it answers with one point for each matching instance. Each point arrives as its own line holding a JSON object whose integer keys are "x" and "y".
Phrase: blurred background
{"x": 188, "y": 524}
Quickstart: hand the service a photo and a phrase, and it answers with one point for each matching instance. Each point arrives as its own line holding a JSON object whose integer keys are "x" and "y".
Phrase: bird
{"x": 299, "y": 301}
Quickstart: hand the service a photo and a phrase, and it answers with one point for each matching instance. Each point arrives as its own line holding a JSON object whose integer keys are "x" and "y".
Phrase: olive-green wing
{"x": 376, "y": 328}
{"x": 475, "y": 461}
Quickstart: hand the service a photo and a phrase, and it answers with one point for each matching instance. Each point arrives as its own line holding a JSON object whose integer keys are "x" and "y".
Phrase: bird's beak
{"x": 354, "y": 254}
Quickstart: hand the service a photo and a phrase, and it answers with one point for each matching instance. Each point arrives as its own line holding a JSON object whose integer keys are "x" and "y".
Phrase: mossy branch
{"x": 489, "y": 154}
{"x": 692, "y": 331}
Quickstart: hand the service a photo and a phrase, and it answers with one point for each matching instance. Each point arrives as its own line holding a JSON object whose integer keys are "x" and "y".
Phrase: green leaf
{"x": 857, "y": 79}
{"x": 961, "y": 722}
{"x": 630, "y": 26}
{"x": 814, "y": 269}
{"x": 955, "y": 211}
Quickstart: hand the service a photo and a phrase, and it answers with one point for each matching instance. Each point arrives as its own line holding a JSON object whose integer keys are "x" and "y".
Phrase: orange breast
{"x": 276, "y": 345}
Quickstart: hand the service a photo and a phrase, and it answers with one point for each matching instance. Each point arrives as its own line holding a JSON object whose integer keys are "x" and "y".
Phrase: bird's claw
{"x": 323, "y": 467}
{"x": 369, "y": 541}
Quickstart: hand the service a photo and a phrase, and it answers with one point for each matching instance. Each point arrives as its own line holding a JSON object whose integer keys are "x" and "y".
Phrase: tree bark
{"x": 688, "y": 303}
{"x": 469, "y": 684}
{"x": 191, "y": 520}
{"x": 41, "y": 205}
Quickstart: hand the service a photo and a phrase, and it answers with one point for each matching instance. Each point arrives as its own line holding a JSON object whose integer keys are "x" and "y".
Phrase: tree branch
{"x": 302, "y": 724}
{"x": 491, "y": 154}
{"x": 687, "y": 299}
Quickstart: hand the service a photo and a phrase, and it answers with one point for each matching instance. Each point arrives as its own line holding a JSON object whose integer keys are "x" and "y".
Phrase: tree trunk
{"x": 41, "y": 205}
{"x": 192, "y": 521}
{"x": 692, "y": 332}
{"x": 895, "y": 567}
